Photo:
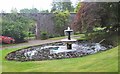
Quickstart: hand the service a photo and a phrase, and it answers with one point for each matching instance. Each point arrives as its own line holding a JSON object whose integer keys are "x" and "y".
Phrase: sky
{"x": 7, "y": 5}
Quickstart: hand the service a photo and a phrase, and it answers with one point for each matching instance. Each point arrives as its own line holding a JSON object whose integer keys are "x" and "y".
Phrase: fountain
{"x": 66, "y": 48}
{"x": 69, "y": 41}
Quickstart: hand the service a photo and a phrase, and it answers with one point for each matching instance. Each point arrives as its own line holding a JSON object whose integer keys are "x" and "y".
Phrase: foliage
{"x": 13, "y": 10}
{"x": 33, "y": 10}
{"x": 44, "y": 35}
{"x": 16, "y": 26}
{"x": 98, "y": 14}
{"x": 77, "y": 7}
{"x": 26, "y": 10}
{"x": 44, "y": 11}
{"x": 109, "y": 38}
{"x": 30, "y": 34}
{"x": 54, "y": 35}
{"x": 60, "y": 21}
{"x": 0, "y": 24}
{"x": 110, "y": 19}
{"x": 62, "y": 6}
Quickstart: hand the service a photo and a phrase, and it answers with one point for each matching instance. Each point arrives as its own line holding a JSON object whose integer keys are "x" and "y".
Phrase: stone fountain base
{"x": 69, "y": 43}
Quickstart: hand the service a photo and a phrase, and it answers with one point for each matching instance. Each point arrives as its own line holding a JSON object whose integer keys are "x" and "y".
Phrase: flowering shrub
{"x": 6, "y": 39}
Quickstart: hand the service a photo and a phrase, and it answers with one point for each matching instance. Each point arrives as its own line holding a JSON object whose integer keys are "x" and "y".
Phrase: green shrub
{"x": 44, "y": 35}
{"x": 76, "y": 33}
{"x": 51, "y": 36}
{"x": 16, "y": 26}
{"x": 31, "y": 34}
{"x": 54, "y": 35}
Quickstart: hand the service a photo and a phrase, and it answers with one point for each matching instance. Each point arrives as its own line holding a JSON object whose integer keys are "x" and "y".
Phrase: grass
{"x": 6, "y": 45}
{"x": 106, "y": 61}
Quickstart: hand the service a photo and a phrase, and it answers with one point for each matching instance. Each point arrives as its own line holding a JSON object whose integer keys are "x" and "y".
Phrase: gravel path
{"x": 33, "y": 43}
{"x": 30, "y": 43}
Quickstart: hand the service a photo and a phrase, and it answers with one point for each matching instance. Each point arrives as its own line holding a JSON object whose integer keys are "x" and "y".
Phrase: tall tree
{"x": 26, "y": 10}
{"x": 60, "y": 20}
{"x": 62, "y": 6}
{"x": 14, "y": 10}
{"x": 77, "y": 7}
{"x": 94, "y": 14}
{"x": 44, "y": 11}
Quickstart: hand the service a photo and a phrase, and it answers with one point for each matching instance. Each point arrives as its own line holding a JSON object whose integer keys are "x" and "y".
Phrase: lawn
{"x": 106, "y": 61}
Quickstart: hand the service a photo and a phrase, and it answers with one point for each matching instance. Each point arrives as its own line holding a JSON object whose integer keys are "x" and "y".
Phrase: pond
{"x": 57, "y": 50}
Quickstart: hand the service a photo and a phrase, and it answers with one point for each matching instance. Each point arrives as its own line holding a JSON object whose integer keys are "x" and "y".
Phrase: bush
{"x": 51, "y": 36}
{"x": 54, "y": 35}
{"x": 43, "y": 35}
{"x": 31, "y": 34}
{"x": 76, "y": 33}
{"x": 16, "y": 26}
